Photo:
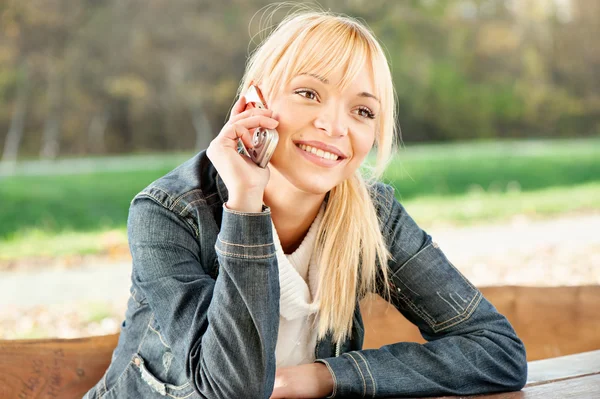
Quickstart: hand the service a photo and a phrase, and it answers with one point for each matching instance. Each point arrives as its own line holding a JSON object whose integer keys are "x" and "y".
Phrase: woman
{"x": 246, "y": 281}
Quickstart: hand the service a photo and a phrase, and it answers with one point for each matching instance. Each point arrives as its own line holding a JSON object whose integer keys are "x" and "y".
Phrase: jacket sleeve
{"x": 224, "y": 328}
{"x": 471, "y": 348}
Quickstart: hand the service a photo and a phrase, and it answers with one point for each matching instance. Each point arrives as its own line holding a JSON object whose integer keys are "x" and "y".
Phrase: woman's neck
{"x": 292, "y": 211}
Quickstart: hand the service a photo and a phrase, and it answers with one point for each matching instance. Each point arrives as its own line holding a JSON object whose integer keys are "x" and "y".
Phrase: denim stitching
{"x": 370, "y": 374}
{"x": 263, "y": 213}
{"x": 145, "y": 333}
{"x": 361, "y": 374}
{"x": 461, "y": 275}
{"x": 463, "y": 299}
{"x": 468, "y": 306}
{"x": 334, "y": 378}
{"x": 159, "y": 202}
{"x": 463, "y": 315}
{"x": 410, "y": 260}
{"x": 181, "y": 397}
{"x": 444, "y": 324}
{"x": 166, "y": 384}
{"x": 149, "y": 194}
{"x": 159, "y": 336}
{"x": 191, "y": 203}
{"x": 449, "y": 304}
{"x": 417, "y": 310}
{"x": 133, "y": 293}
{"x": 407, "y": 287}
{"x": 142, "y": 195}
{"x": 456, "y": 302}
{"x": 271, "y": 255}
{"x": 186, "y": 194}
{"x": 106, "y": 392}
{"x": 242, "y": 245}
{"x": 164, "y": 192}
{"x": 159, "y": 385}
{"x": 210, "y": 196}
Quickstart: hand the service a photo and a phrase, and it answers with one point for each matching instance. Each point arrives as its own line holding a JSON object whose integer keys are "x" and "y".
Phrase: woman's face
{"x": 324, "y": 133}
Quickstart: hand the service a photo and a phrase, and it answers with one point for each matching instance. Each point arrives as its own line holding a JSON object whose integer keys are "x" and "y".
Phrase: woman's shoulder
{"x": 193, "y": 182}
{"x": 382, "y": 195}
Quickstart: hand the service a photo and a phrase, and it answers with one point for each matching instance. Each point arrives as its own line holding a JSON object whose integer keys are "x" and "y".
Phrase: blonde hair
{"x": 319, "y": 41}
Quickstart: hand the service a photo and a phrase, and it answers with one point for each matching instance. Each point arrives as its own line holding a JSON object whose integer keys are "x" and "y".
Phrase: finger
{"x": 250, "y": 112}
{"x": 238, "y": 131}
{"x": 258, "y": 121}
{"x": 239, "y": 106}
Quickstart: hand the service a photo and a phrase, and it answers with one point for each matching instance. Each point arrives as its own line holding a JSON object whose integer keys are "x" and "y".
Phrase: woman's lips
{"x": 327, "y": 163}
{"x": 322, "y": 146}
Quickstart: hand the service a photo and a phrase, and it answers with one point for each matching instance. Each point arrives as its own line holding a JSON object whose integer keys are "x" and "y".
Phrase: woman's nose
{"x": 332, "y": 123}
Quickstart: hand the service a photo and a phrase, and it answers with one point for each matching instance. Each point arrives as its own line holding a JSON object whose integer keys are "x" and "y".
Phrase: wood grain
{"x": 551, "y": 320}
{"x": 587, "y": 387}
{"x": 563, "y": 367}
{"x": 53, "y": 368}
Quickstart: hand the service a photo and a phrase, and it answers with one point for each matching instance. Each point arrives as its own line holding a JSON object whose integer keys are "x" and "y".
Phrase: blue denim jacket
{"x": 203, "y": 315}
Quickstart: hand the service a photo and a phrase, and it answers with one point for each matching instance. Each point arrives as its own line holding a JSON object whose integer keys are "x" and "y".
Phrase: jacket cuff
{"x": 246, "y": 235}
{"x": 351, "y": 374}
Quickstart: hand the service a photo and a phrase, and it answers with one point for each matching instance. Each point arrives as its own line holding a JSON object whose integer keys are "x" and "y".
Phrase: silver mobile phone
{"x": 264, "y": 140}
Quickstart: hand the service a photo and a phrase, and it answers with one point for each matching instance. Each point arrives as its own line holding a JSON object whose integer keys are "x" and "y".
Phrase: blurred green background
{"x": 499, "y": 106}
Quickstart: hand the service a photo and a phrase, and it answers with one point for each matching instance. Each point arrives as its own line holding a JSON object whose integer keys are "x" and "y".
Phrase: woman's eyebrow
{"x": 365, "y": 94}
{"x": 325, "y": 81}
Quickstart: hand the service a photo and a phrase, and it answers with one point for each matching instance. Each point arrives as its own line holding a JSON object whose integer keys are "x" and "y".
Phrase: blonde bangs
{"x": 322, "y": 47}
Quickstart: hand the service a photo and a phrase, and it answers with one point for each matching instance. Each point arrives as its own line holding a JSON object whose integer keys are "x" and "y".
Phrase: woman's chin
{"x": 316, "y": 184}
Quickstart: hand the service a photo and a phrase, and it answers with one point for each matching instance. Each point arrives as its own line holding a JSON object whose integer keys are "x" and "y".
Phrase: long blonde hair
{"x": 319, "y": 41}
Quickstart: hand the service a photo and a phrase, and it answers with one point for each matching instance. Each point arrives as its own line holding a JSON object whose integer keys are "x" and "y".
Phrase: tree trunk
{"x": 51, "y": 133}
{"x": 17, "y": 124}
{"x": 96, "y": 133}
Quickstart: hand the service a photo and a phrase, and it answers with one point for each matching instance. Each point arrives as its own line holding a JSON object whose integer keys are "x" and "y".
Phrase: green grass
{"x": 492, "y": 207}
{"x": 52, "y": 204}
{"x": 493, "y": 167}
{"x": 47, "y": 210}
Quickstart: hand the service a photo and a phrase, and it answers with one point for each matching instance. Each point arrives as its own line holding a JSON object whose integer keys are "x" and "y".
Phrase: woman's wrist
{"x": 247, "y": 203}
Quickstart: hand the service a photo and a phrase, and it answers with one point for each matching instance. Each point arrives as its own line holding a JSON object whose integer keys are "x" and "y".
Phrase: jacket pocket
{"x": 157, "y": 359}
{"x": 137, "y": 381}
{"x": 428, "y": 288}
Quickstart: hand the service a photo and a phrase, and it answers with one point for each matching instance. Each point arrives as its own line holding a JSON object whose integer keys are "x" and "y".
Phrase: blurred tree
{"x": 83, "y": 76}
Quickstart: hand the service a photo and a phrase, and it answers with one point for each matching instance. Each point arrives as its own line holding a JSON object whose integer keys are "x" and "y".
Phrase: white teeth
{"x": 318, "y": 152}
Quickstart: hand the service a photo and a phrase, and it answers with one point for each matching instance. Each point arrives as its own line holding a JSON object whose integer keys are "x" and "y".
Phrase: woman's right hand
{"x": 245, "y": 181}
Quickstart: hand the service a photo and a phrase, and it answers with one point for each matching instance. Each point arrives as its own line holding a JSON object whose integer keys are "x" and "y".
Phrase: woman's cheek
{"x": 364, "y": 143}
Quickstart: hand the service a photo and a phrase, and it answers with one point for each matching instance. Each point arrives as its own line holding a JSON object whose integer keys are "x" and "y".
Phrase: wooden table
{"x": 67, "y": 368}
{"x": 573, "y": 376}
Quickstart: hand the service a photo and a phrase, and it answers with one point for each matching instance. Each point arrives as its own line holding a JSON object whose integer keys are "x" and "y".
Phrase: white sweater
{"x": 298, "y": 281}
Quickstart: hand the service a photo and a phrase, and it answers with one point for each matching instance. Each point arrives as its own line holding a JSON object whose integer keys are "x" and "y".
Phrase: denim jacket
{"x": 203, "y": 315}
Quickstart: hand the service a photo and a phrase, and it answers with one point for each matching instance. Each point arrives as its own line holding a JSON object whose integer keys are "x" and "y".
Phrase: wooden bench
{"x": 558, "y": 320}
{"x": 53, "y": 368}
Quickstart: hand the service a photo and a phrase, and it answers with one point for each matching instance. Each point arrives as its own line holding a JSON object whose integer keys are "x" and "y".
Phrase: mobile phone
{"x": 264, "y": 140}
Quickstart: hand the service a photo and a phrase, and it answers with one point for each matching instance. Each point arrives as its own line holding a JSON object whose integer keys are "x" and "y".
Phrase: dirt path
{"x": 560, "y": 251}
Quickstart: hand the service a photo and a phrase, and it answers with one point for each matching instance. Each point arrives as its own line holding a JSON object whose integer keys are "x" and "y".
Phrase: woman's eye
{"x": 366, "y": 113}
{"x": 311, "y": 95}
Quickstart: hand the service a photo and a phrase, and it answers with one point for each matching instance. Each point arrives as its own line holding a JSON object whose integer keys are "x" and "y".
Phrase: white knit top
{"x": 298, "y": 281}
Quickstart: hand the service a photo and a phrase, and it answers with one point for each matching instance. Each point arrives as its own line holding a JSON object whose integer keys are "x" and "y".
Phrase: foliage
{"x": 158, "y": 75}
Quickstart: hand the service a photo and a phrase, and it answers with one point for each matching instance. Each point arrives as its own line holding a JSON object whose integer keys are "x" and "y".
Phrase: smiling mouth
{"x": 318, "y": 152}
